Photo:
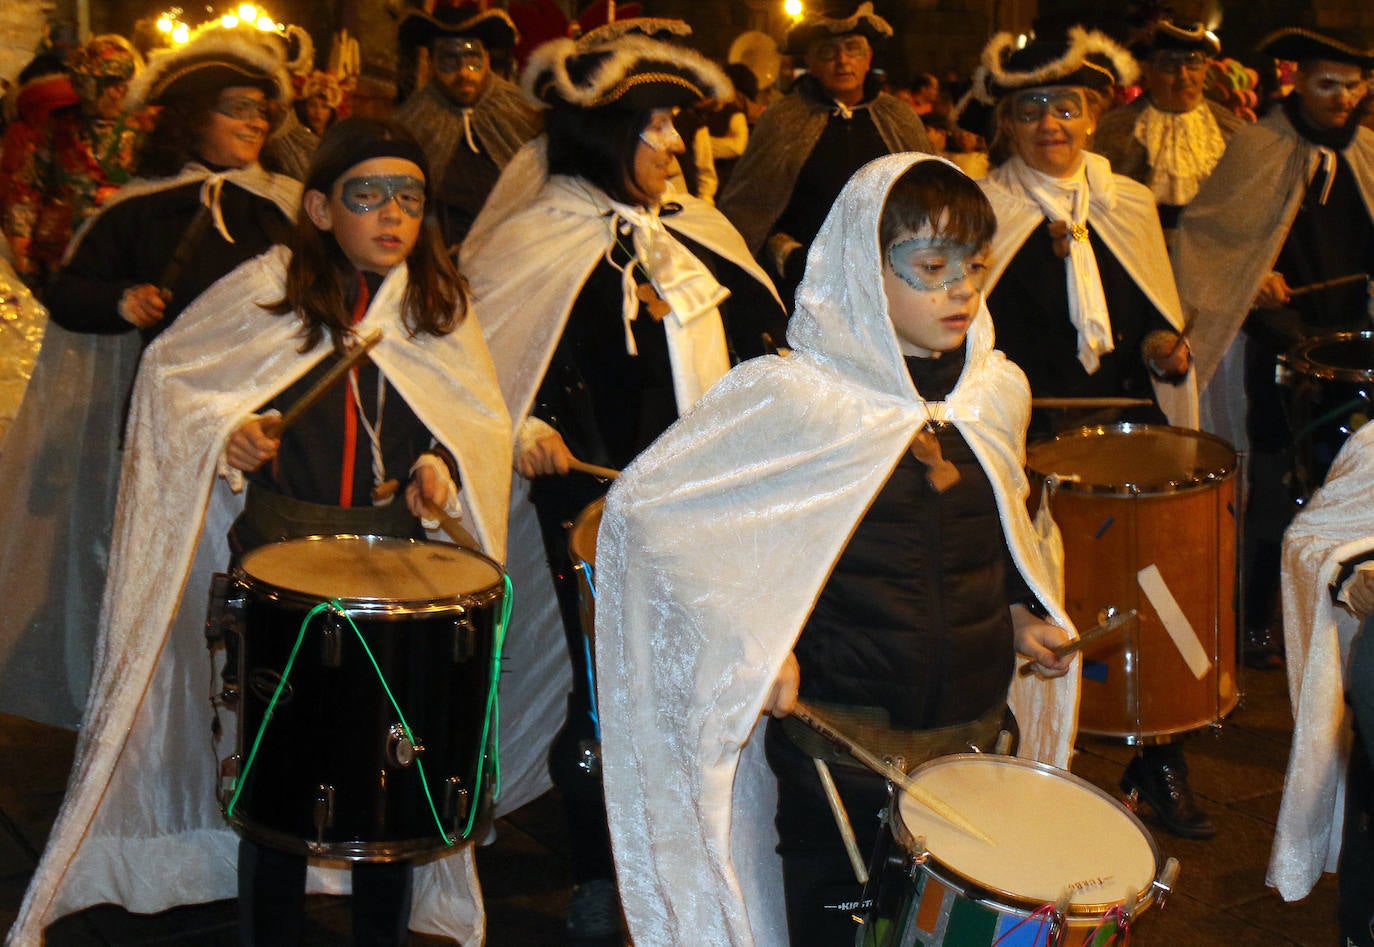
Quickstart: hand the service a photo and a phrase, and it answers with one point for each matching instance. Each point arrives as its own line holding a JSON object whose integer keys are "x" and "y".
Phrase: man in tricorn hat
{"x": 470, "y": 120}
{"x": 807, "y": 145}
{"x": 1288, "y": 206}
{"x": 1171, "y": 136}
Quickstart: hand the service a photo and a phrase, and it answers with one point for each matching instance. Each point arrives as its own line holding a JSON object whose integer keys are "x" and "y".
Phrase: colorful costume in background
{"x": 143, "y": 789}
{"x": 713, "y": 549}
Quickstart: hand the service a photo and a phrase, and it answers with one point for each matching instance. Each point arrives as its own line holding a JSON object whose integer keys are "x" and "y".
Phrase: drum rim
{"x": 1129, "y": 489}
{"x": 1299, "y": 358}
{"x": 983, "y": 893}
{"x": 374, "y": 607}
{"x": 595, "y": 508}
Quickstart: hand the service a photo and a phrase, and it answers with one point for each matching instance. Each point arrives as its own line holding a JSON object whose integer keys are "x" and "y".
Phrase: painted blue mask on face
{"x": 934, "y": 265}
{"x": 363, "y": 195}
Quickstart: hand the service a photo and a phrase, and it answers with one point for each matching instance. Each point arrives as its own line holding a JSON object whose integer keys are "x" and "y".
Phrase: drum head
{"x": 403, "y": 572}
{"x": 1340, "y": 356}
{"x": 1132, "y": 459}
{"x": 582, "y": 539}
{"x": 1052, "y": 831}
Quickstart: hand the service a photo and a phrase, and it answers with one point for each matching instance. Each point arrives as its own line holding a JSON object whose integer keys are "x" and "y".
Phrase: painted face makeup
{"x": 1031, "y": 107}
{"x": 362, "y": 195}
{"x": 932, "y": 265}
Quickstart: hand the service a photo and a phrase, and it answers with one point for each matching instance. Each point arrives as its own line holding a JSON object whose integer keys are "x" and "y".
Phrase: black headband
{"x": 323, "y": 177}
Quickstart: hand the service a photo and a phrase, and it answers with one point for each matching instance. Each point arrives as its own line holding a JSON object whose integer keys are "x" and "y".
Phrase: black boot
{"x": 1159, "y": 776}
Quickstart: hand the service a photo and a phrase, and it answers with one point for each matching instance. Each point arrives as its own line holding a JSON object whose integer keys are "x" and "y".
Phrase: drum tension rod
{"x": 464, "y": 637}
{"x": 331, "y": 640}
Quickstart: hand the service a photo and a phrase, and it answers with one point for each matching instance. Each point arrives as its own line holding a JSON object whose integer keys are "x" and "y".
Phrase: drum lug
{"x": 457, "y": 800}
{"x": 224, "y": 615}
{"x": 331, "y": 640}
{"x": 1164, "y": 884}
{"x": 400, "y": 749}
{"x": 589, "y": 758}
{"x": 464, "y": 637}
{"x": 228, "y": 777}
{"x": 324, "y": 811}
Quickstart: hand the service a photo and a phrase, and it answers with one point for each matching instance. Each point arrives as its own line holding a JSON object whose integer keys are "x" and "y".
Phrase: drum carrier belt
{"x": 871, "y": 728}
{"x": 273, "y": 517}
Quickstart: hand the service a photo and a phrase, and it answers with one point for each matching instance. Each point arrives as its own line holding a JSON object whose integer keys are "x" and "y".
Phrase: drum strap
{"x": 870, "y": 727}
{"x": 268, "y": 516}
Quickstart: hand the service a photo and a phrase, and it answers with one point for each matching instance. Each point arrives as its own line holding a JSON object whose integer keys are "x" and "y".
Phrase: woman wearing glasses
{"x": 1080, "y": 288}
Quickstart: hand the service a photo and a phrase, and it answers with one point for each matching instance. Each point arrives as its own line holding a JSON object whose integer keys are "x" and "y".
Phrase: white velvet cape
{"x": 140, "y": 825}
{"x": 1337, "y": 524}
{"x": 60, "y": 463}
{"x": 1229, "y": 239}
{"x": 531, "y": 250}
{"x": 1123, "y": 214}
{"x": 716, "y": 542}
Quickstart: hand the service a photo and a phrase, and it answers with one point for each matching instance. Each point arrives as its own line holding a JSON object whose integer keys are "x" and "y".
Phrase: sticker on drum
{"x": 367, "y": 737}
{"x": 1052, "y": 832}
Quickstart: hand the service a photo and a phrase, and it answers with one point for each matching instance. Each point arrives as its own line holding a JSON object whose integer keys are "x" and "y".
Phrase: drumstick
{"x": 1328, "y": 284}
{"x": 453, "y": 528}
{"x": 837, "y": 809}
{"x": 605, "y": 473}
{"x": 803, "y": 712}
{"x": 1088, "y": 637}
{"x": 186, "y": 246}
{"x": 1091, "y": 402}
{"x": 327, "y": 381}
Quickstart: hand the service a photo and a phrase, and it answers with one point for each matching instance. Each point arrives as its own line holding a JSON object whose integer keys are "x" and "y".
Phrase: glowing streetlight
{"x": 792, "y": 8}
{"x": 266, "y": 23}
{"x": 229, "y": 21}
{"x": 164, "y": 24}
{"x": 248, "y": 13}
{"x": 181, "y": 33}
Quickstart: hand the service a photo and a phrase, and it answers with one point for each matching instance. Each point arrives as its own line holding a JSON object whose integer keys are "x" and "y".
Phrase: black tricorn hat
{"x": 1300, "y": 45}
{"x": 493, "y": 27}
{"x": 1165, "y": 34}
{"x": 633, "y": 72}
{"x": 1080, "y": 58}
{"x": 837, "y": 19}
{"x": 213, "y": 60}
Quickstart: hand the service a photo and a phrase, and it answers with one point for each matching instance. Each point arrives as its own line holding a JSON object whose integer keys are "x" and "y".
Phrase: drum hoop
{"x": 594, "y": 508}
{"x": 981, "y": 892}
{"x": 379, "y": 608}
{"x": 1128, "y": 489}
{"x": 1301, "y": 361}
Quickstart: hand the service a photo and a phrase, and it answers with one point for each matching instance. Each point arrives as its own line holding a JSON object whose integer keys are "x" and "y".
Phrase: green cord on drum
{"x": 490, "y": 722}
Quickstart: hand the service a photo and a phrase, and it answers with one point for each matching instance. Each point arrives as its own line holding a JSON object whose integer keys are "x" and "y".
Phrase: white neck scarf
{"x": 1067, "y": 199}
{"x": 1182, "y": 148}
{"x": 696, "y": 334}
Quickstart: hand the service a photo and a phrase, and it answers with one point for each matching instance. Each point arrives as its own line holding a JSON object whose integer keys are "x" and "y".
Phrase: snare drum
{"x": 582, "y": 552}
{"x": 1058, "y": 839}
{"x": 334, "y": 771}
{"x": 1328, "y": 382}
{"x": 1148, "y": 520}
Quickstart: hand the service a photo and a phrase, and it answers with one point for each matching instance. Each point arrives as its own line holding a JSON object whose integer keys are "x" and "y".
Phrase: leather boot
{"x": 1161, "y": 780}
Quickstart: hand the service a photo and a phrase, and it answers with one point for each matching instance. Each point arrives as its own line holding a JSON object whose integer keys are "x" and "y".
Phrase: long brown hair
{"x": 319, "y": 275}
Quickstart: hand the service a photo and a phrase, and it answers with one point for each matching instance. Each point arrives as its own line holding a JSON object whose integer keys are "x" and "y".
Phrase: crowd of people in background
{"x": 609, "y": 228}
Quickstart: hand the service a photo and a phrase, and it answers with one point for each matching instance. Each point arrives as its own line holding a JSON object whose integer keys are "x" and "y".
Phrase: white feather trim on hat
{"x": 649, "y": 26}
{"x": 863, "y": 14}
{"x": 549, "y": 64}
{"x": 227, "y": 47}
{"x": 1082, "y": 44}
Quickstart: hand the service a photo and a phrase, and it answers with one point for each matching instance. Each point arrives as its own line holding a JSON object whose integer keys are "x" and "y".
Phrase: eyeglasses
{"x": 244, "y": 108}
{"x": 1032, "y": 107}
{"x": 852, "y": 47}
{"x": 932, "y": 266}
{"x": 362, "y": 195}
{"x": 453, "y": 55}
{"x": 1176, "y": 61}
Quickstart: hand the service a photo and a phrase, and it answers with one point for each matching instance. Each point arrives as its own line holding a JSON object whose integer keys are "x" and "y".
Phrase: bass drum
{"x": 371, "y": 744}
{"x": 1328, "y": 382}
{"x": 1147, "y": 514}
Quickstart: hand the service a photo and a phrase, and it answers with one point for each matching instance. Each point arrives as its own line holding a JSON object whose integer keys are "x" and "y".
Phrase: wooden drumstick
{"x": 803, "y": 712}
{"x": 453, "y": 528}
{"x": 1089, "y": 403}
{"x": 1327, "y": 284}
{"x": 1091, "y": 636}
{"x": 605, "y": 473}
{"x": 841, "y": 814}
{"x": 328, "y": 380}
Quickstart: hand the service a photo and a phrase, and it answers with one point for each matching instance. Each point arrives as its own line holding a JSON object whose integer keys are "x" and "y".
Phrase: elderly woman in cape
{"x": 698, "y": 614}
{"x": 129, "y": 272}
{"x": 1080, "y": 290}
{"x": 610, "y": 305}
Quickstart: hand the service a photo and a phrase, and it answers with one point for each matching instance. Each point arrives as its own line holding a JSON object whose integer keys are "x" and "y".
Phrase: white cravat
{"x": 1182, "y": 149}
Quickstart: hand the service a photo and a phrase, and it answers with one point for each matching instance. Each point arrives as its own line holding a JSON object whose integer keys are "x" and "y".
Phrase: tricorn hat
{"x": 837, "y": 19}
{"x": 1081, "y": 58}
{"x": 493, "y": 27}
{"x": 212, "y": 60}
{"x": 633, "y": 72}
{"x": 1300, "y": 45}
{"x": 1165, "y": 34}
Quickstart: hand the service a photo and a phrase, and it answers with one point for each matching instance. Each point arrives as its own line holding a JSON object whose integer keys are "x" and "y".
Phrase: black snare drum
{"x": 1329, "y": 385}
{"x": 335, "y": 770}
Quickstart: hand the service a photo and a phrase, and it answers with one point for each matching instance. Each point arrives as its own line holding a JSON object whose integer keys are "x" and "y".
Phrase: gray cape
{"x": 502, "y": 121}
